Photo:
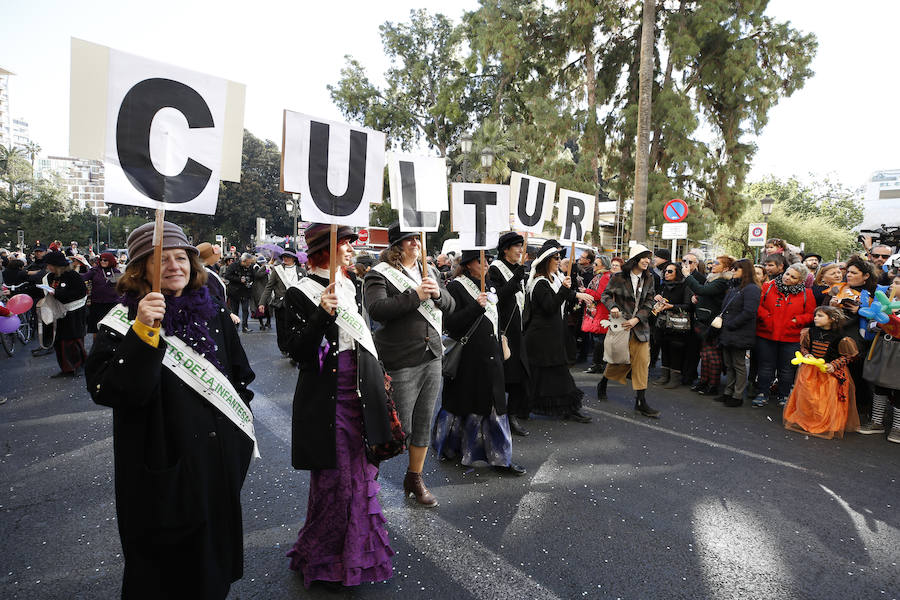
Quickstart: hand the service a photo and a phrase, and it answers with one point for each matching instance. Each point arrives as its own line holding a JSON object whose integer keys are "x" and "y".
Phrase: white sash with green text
{"x": 346, "y": 315}
{"x": 490, "y": 309}
{"x": 400, "y": 281}
{"x": 507, "y": 275}
{"x": 198, "y": 373}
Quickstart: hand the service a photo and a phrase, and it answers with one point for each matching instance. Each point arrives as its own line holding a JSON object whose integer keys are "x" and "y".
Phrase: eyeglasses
{"x": 885, "y": 256}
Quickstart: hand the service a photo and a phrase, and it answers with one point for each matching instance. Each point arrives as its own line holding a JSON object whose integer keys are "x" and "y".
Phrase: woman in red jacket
{"x": 596, "y": 313}
{"x": 786, "y": 307}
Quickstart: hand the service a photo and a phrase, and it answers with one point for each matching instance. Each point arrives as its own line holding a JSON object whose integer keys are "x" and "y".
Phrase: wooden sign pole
{"x": 482, "y": 270}
{"x": 332, "y": 254}
{"x": 524, "y": 249}
{"x": 571, "y": 260}
{"x": 158, "y": 231}
{"x": 424, "y": 262}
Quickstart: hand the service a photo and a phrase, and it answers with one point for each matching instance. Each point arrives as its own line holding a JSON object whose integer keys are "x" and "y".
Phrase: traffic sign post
{"x": 757, "y": 234}
{"x": 362, "y": 237}
{"x": 674, "y": 232}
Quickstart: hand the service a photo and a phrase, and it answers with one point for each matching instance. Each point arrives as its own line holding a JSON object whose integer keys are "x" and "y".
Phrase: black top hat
{"x": 510, "y": 238}
{"x": 318, "y": 236}
{"x": 395, "y": 236}
{"x": 810, "y": 254}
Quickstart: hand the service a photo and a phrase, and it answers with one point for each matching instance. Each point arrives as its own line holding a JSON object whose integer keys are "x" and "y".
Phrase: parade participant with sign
{"x": 103, "y": 280}
{"x": 172, "y": 368}
{"x": 410, "y": 309}
{"x": 507, "y": 276}
{"x": 70, "y": 296}
{"x": 340, "y": 407}
{"x": 472, "y": 425}
{"x": 282, "y": 277}
{"x": 630, "y": 294}
{"x": 554, "y": 391}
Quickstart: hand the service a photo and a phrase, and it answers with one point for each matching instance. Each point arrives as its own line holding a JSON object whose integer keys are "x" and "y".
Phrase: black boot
{"x": 577, "y": 416}
{"x": 601, "y": 389}
{"x": 515, "y": 427}
{"x": 640, "y": 405}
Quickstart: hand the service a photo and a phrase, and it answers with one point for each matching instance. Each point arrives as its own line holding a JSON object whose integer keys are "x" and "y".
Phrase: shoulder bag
{"x": 453, "y": 350}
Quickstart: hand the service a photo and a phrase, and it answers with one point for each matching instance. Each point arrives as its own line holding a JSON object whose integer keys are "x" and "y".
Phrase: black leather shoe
{"x": 722, "y": 398}
{"x": 512, "y": 468}
{"x": 577, "y": 416}
{"x": 41, "y": 351}
{"x": 516, "y": 428}
{"x": 698, "y": 386}
{"x": 593, "y": 369}
{"x": 708, "y": 391}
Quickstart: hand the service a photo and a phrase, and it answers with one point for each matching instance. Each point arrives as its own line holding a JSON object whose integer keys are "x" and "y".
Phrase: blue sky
{"x": 843, "y": 123}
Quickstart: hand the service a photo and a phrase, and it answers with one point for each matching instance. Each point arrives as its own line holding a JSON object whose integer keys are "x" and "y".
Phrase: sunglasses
{"x": 885, "y": 256}
{"x": 670, "y": 271}
{"x": 690, "y": 262}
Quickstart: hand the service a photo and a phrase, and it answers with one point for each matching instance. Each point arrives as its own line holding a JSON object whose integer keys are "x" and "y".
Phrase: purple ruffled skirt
{"x": 344, "y": 538}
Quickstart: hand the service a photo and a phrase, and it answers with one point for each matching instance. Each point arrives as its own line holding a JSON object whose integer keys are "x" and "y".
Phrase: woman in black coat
{"x": 180, "y": 459}
{"x": 673, "y": 299}
{"x": 340, "y": 406}
{"x": 68, "y": 289}
{"x": 708, "y": 306}
{"x": 472, "y": 424}
{"x": 555, "y": 392}
{"x": 738, "y": 332}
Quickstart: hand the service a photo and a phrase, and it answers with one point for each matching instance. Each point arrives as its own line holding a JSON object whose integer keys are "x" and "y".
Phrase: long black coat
{"x": 739, "y": 310}
{"x": 545, "y": 328}
{"x": 313, "y": 444}
{"x": 70, "y": 287}
{"x": 478, "y": 386}
{"x": 179, "y": 466}
{"x": 515, "y": 369}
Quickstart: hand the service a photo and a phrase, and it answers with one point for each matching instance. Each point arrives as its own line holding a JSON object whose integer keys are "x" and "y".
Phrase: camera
{"x": 888, "y": 235}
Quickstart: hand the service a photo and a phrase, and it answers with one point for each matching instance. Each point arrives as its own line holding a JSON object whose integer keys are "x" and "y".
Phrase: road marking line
{"x": 472, "y": 566}
{"x": 61, "y": 459}
{"x": 706, "y": 442}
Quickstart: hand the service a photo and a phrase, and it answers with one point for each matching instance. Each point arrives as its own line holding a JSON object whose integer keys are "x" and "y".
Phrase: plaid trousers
{"x": 711, "y": 362}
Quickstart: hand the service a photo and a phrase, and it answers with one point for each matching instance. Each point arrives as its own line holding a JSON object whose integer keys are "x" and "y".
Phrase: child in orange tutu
{"x": 823, "y": 404}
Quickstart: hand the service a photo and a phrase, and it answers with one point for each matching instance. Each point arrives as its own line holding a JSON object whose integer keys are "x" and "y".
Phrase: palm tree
{"x": 32, "y": 149}
{"x": 8, "y": 155}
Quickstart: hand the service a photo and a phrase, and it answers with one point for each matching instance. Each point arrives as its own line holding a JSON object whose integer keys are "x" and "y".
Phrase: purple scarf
{"x": 187, "y": 318}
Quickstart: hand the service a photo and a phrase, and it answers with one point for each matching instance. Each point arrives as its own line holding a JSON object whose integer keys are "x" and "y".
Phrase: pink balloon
{"x": 19, "y": 304}
{"x": 9, "y": 324}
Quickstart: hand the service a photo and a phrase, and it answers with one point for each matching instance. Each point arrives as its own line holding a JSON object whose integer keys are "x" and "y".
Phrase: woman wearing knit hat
{"x": 181, "y": 452}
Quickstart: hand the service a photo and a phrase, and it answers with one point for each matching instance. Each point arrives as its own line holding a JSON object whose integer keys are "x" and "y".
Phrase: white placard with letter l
{"x": 336, "y": 168}
{"x": 479, "y": 208}
{"x": 674, "y": 231}
{"x": 575, "y": 216}
{"x": 418, "y": 186}
{"x": 530, "y": 202}
{"x": 757, "y": 234}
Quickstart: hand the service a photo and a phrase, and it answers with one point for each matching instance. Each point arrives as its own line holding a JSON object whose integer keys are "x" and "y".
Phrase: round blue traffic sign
{"x": 675, "y": 210}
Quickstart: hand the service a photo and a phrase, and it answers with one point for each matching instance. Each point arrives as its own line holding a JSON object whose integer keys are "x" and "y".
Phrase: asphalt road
{"x": 706, "y": 502}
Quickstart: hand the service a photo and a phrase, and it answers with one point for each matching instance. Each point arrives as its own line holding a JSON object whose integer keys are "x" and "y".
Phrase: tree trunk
{"x": 591, "y": 131}
{"x": 639, "y": 215}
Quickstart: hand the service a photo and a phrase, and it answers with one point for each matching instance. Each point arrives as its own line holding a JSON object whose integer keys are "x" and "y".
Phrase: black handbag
{"x": 677, "y": 321}
{"x": 881, "y": 367}
{"x": 398, "y": 442}
{"x": 453, "y": 350}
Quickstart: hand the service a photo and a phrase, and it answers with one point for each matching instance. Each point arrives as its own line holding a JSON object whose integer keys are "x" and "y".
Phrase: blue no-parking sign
{"x": 675, "y": 210}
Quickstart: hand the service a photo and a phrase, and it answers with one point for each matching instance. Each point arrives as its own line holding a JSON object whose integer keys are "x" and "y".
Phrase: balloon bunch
{"x": 9, "y": 315}
{"x": 880, "y": 309}
{"x": 816, "y": 362}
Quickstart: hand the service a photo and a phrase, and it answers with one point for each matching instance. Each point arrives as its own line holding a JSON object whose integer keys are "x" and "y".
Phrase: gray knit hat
{"x": 140, "y": 242}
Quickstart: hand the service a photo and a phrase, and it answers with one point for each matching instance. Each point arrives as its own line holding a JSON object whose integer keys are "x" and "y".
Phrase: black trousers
{"x": 281, "y": 327}
{"x": 241, "y": 307}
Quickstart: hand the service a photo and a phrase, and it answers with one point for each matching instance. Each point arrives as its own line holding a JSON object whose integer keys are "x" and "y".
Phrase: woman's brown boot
{"x": 414, "y": 485}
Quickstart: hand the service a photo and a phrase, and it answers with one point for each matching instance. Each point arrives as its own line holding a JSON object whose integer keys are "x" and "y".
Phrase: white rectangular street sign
{"x": 674, "y": 231}
{"x": 756, "y": 234}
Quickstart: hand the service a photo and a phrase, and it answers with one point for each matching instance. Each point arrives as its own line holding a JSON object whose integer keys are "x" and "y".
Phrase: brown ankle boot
{"x": 414, "y": 485}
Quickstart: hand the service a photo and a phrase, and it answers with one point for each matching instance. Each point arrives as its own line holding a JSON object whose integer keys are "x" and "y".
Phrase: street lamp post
{"x": 293, "y": 206}
{"x": 465, "y": 144}
{"x": 766, "y": 204}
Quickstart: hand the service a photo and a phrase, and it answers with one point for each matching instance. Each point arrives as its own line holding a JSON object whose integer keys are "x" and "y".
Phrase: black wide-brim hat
{"x": 56, "y": 259}
{"x": 510, "y": 238}
{"x": 395, "y": 236}
{"x": 550, "y": 249}
{"x": 318, "y": 236}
